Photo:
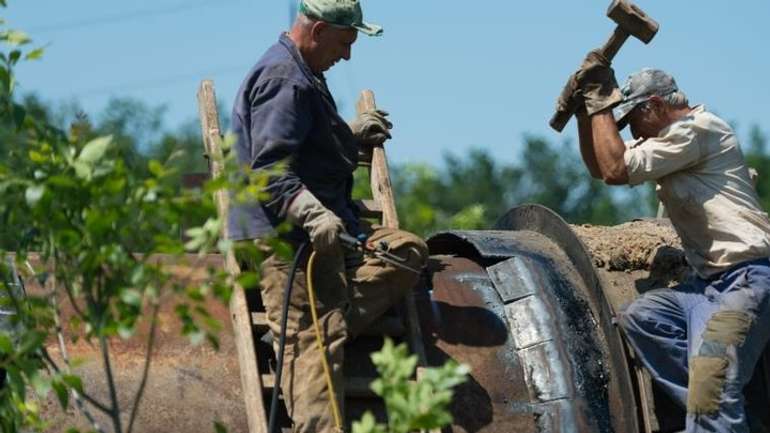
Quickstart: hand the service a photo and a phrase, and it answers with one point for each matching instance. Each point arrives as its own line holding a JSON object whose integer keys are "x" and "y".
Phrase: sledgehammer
{"x": 631, "y": 21}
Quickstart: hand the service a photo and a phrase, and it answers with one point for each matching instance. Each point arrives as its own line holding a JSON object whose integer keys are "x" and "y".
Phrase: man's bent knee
{"x": 403, "y": 244}
{"x": 708, "y": 370}
{"x": 707, "y": 380}
{"x": 644, "y": 309}
{"x": 629, "y": 317}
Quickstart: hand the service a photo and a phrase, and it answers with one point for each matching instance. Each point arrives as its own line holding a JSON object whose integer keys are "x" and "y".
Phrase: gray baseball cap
{"x": 342, "y": 13}
{"x": 639, "y": 88}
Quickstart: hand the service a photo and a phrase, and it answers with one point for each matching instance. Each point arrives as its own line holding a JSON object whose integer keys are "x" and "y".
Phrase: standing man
{"x": 701, "y": 339}
{"x": 288, "y": 128}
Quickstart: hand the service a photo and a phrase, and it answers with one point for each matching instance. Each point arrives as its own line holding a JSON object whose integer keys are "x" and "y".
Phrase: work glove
{"x": 571, "y": 90}
{"x": 371, "y": 128}
{"x": 597, "y": 84}
{"x": 322, "y": 225}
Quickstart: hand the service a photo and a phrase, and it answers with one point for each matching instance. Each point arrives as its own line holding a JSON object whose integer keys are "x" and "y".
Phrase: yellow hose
{"x": 321, "y": 348}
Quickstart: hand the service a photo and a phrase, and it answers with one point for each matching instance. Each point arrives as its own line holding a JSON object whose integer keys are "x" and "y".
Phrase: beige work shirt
{"x": 703, "y": 181}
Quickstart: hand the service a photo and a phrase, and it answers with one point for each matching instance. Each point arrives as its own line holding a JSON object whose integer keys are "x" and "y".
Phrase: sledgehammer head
{"x": 633, "y": 20}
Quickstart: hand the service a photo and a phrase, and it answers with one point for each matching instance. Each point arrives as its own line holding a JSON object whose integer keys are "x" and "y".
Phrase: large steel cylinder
{"x": 524, "y": 307}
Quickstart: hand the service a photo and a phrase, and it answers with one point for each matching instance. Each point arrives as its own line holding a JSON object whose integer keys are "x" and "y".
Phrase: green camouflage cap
{"x": 343, "y": 13}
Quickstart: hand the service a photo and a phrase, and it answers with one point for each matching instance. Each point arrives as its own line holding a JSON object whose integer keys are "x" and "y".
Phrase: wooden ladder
{"x": 255, "y": 357}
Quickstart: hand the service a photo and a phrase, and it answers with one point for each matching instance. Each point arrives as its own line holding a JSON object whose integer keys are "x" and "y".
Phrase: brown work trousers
{"x": 347, "y": 300}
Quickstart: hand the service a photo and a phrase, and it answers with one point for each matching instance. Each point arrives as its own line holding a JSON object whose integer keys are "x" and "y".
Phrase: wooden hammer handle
{"x": 379, "y": 176}
{"x": 609, "y": 50}
{"x": 613, "y": 44}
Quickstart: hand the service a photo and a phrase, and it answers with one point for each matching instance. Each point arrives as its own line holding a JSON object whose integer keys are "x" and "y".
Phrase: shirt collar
{"x": 695, "y": 110}
{"x": 286, "y": 41}
{"x": 319, "y": 81}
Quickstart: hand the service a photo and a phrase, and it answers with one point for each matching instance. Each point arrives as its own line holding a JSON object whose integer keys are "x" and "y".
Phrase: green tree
{"x": 84, "y": 204}
{"x": 556, "y": 177}
{"x": 474, "y": 191}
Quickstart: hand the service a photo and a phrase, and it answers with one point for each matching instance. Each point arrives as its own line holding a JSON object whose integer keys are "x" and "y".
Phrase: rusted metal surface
{"x": 189, "y": 387}
{"x": 546, "y": 222}
{"x": 563, "y": 350}
{"x": 464, "y": 320}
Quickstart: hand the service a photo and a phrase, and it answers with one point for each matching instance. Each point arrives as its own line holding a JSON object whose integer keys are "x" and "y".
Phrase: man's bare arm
{"x": 585, "y": 134}
{"x": 609, "y": 148}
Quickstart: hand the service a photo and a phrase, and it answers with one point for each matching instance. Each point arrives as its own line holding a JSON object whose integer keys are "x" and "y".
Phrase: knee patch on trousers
{"x": 707, "y": 378}
{"x": 708, "y": 370}
{"x": 728, "y": 327}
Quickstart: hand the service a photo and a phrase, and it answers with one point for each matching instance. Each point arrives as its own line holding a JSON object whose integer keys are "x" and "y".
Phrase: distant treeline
{"x": 457, "y": 191}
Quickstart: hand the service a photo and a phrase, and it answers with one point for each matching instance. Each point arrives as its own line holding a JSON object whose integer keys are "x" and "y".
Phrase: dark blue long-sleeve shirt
{"x": 284, "y": 114}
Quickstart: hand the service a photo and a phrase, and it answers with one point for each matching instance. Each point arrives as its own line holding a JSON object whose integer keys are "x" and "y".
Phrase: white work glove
{"x": 322, "y": 225}
{"x": 371, "y": 128}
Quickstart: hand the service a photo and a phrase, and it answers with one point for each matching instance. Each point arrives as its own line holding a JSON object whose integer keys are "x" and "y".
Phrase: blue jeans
{"x": 705, "y": 337}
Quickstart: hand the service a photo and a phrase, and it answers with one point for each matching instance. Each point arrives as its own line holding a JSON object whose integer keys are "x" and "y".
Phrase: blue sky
{"x": 454, "y": 75}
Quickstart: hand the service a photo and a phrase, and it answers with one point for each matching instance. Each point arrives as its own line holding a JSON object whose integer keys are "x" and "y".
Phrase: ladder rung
{"x": 259, "y": 321}
{"x": 369, "y": 208}
{"x": 268, "y": 381}
{"x": 387, "y": 326}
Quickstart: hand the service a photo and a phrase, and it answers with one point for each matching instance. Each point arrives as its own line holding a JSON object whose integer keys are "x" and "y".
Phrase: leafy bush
{"x": 411, "y": 406}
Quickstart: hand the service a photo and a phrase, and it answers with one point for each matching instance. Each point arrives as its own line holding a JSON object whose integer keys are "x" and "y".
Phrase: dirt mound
{"x": 635, "y": 257}
{"x": 636, "y": 245}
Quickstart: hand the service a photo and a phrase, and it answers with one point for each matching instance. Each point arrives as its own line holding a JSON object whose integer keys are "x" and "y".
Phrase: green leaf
{"x": 37, "y": 157}
{"x": 219, "y": 427}
{"x": 15, "y": 37}
{"x": 14, "y": 57}
{"x": 73, "y": 382}
{"x": 31, "y": 342}
{"x": 19, "y": 114}
{"x": 16, "y": 381}
{"x": 368, "y": 424}
{"x": 82, "y": 170}
{"x": 33, "y": 194}
{"x": 35, "y": 54}
{"x": 156, "y": 168}
{"x": 94, "y": 150}
{"x": 131, "y": 297}
{"x": 6, "y": 345}
{"x": 5, "y": 78}
{"x": 61, "y": 393}
{"x": 126, "y": 331}
{"x": 248, "y": 280}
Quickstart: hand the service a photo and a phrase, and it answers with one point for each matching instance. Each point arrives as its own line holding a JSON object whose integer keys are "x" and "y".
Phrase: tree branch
{"x": 115, "y": 412}
{"x": 147, "y": 359}
{"x": 68, "y": 289}
{"x": 78, "y": 395}
{"x": 65, "y": 357}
